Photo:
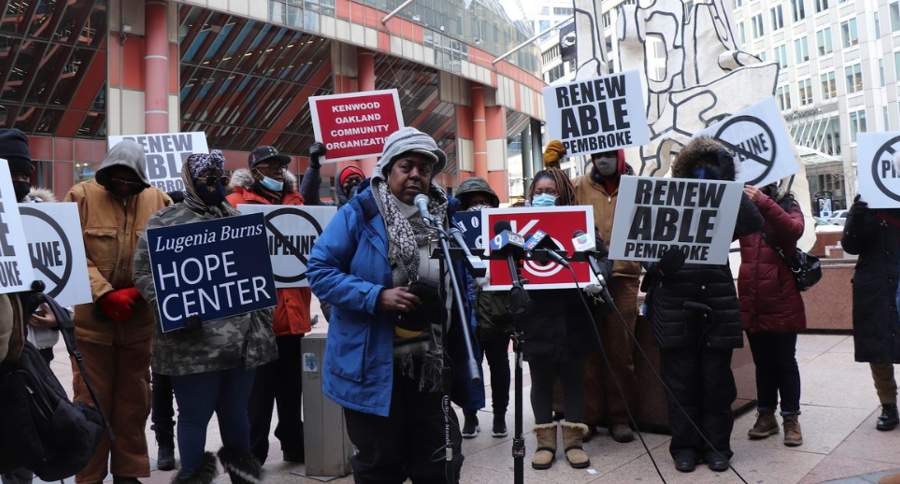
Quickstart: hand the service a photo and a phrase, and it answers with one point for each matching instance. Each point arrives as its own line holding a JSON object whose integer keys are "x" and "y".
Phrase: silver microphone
{"x": 421, "y": 201}
{"x": 474, "y": 263}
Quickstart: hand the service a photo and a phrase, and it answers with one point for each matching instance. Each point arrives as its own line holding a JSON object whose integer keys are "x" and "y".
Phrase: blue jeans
{"x": 224, "y": 392}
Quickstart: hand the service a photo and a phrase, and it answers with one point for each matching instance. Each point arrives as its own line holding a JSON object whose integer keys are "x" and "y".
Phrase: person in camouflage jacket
{"x": 210, "y": 368}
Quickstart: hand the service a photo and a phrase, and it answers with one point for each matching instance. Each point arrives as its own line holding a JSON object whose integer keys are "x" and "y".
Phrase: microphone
{"x": 511, "y": 245}
{"x": 474, "y": 263}
{"x": 583, "y": 243}
{"x": 421, "y": 201}
{"x": 506, "y": 242}
{"x": 539, "y": 241}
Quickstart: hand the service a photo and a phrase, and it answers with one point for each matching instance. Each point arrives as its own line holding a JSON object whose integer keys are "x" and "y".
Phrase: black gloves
{"x": 316, "y": 151}
{"x": 858, "y": 210}
{"x": 671, "y": 262}
{"x": 193, "y": 323}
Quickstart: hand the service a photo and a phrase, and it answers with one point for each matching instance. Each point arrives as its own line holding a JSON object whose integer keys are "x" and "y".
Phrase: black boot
{"x": 165, "y": 439}
{"x": 204, "y": 474}
{"x": 241, "y": 466}
{"x": 889, "y": 418}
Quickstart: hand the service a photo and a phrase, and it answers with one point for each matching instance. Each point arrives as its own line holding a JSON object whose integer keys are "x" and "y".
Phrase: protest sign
{"x": 469, "y": 224}
{"x": 601, "y": 114}
{"x": 655, "y": 214}
{"x": 759, "y": 140}
{"x": 291, "y": 232}
{"x": 560, "y": 223}
{"x": 56, "y": 246}
{"x": 213, "y": 269}
{"x": 16, "y": 273}
{"x": 878, "y": 170}
{"x": 166, "y": 154}
{"x": 355, "y": 125}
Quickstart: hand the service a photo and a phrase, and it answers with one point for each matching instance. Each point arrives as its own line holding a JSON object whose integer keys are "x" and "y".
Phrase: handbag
{"x": 40, "y": 428}
{"x": 807, "y": 268}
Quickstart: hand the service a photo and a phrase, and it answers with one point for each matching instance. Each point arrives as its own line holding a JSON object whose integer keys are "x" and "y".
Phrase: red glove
{"x": 119, "y": 304}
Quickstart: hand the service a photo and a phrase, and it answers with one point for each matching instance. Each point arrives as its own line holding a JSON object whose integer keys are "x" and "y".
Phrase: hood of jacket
{"x": 40, "y": 195}
{"x": 126, "y": 153}
{"x": 720, "y": 165}
{"x": 471, "y": 186}
{"x": 244, "y": 179}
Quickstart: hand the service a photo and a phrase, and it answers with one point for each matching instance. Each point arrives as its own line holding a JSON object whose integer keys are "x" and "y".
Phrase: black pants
{"x": 497, "y": 355}
{"x": 702, "y": 381}
{"x": 162, "y": 413}
{"x": 544, "y": 373}
{"x": 774, "y": 355}
{"x": 281, "y": 382}
{"x": 409, "y": 442}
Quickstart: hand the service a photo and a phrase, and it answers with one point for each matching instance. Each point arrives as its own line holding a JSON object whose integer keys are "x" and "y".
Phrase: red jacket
{"x": 770, "y": 300}
{"x": 292, "y": 312}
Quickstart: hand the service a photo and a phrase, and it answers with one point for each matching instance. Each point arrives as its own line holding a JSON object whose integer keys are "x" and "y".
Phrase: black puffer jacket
{"x": 711, "y": 286}
{"x": 874, "y": 235}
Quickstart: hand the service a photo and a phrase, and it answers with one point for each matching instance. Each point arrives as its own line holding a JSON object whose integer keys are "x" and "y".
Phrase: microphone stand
{"x": 519, "y": 305}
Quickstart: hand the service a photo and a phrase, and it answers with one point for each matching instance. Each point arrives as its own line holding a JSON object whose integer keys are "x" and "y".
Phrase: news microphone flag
{"x": 582, "y": 242}
{"x": 505, "y": 239}
{"x": 535, "y": 240}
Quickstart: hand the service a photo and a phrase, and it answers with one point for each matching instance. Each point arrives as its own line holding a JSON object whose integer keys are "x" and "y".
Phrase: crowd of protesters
{"x": 395, "y": 337}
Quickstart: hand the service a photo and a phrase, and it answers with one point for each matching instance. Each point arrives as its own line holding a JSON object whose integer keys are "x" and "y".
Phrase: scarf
{"x": 193, "y": 201}
{"x": 405, "y": 236}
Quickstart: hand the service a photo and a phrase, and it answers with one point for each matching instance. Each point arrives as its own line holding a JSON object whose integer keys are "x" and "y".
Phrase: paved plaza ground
{"x": 841, "y": 444}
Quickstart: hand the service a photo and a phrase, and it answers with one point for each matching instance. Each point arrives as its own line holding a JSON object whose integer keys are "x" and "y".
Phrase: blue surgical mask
{"x": 543, "y": 200}
{"x": 272, "y": 184}
{"x": 699, "y": 173}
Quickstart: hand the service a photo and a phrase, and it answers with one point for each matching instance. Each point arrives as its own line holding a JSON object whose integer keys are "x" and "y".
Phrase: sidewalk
{"x": 841, "y": 444}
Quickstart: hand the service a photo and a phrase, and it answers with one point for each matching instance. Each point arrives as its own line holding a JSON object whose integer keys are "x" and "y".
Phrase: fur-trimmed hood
{"x": 40, "y": 195}
{"x": 244, "y": 179}
{"x": 720, "y": 165}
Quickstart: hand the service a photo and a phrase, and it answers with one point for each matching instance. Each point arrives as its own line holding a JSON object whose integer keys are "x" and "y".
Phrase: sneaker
{"x": 471, "y": 428}
{"x": 499, "y": 428}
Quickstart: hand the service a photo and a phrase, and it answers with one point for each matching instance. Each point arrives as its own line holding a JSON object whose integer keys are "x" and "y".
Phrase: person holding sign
{"x": 600, "y": 189}
{"x": 384, "y": 360}
{"x": 697, "y": 324}
{"x": 348, "y": 179}
{"x": 874, "y": 235}
{"x": 115, "y": 332}
{"x": 772, "y": 311}
{"x": 281, "y": 380}
{"x": 210, "y": 365}
{"x": 558, "y": 339}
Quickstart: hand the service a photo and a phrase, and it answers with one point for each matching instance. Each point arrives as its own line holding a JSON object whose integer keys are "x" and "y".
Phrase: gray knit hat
{"x": 403, "y": 141}
{"x": 200, "y": 162}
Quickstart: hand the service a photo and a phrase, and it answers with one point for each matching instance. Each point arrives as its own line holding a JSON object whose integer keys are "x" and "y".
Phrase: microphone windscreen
{"x": 501, "y": 225}
{"x": 420, "y": 198}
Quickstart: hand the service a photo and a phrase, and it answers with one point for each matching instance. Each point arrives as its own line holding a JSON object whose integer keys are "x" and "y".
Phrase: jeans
{"x": 224, "y": 392}
{"x": 774, "y": 355}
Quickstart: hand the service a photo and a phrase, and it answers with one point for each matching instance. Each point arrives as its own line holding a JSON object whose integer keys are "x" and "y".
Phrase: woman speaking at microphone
{"x": 385, "y": 358}
{"x": 558, "y": 338}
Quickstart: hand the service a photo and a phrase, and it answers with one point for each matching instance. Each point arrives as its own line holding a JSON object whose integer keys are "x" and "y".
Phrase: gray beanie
{"x": 405, "y": 140}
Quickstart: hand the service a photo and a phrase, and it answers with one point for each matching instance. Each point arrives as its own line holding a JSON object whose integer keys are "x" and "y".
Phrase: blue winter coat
{"x": 348, "y": 268}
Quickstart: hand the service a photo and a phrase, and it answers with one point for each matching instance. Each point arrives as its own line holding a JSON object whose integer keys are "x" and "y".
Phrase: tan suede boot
{"x": 890, "y": 479}
{"x": 546, "y": 446}
{"x": 792, "y": 434}
{"x": 765, "y": 425}
{"x": 573, "y": 435}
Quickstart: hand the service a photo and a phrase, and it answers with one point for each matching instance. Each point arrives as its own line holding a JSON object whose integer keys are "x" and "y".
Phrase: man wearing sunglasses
{"x": 267, "y": 181}
{"x": 115, "y": 331}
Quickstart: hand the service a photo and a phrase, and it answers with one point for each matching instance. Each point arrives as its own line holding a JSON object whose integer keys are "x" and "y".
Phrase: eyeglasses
{"x": 211, "y": 180}
{"x": 126, "y": 183}
{"x": 273, "y": 167}
{"x": 550, "y": 191}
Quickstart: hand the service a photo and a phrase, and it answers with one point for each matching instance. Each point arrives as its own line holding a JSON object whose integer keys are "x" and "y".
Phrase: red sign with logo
{"x": 356, "y": 125}
{"x": 560, "y": 223}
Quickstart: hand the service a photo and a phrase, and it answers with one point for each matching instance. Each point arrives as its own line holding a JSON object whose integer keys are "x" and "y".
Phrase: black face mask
{"x": 22, "y": 189}
{"x": 128, "y": 192}
{"x": 210, "y": 194}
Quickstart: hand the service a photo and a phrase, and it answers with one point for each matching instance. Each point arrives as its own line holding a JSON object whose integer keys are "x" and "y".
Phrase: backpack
{"x": 40, "y": 428}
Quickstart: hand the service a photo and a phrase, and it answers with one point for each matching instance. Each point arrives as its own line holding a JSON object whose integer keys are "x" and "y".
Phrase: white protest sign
{"x": 878, "y": 170}
{"x": 16, "y": 273}
{"x": 291, "y": 231}
{"x": 601, "y": 114}
{"x": 57, "y": 250}
{"x": 656, "y": 214}
{"x": 760, "y": 141}
{"x": 165, "y": 155}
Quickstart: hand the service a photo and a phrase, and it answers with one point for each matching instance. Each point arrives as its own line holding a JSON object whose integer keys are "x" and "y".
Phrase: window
{"x": 798, "y": 9}
{"x": 762, "y": 56}
{"x": 854, "y": 78}
{"x": 895, "y": 16}
{"x": 781, "y": 56}
{"x": 877, "y": 27}
{"x": 887, "y": 118}
{"x": 777, "y": 18}
{"x": 607, "y": 20}
{"x": 743, "y": 33}
{"x": 783, "y": 94}
{"x": 801, "y": 50}
{"x": 758, "y": 29}
{"x": 824, "y": 40}
{"x": 821, "y": 5}
{"x": 563, "y": 11}
{"x": 881, "y": 70}
{"x": 829, "y": 85}
{"x": 897, "y": 66}
{"x": 805, "y": 89}
{"x": 849, "y": 34}
{"x": 738, "y": 3}
{"x": 857, "y": 124}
